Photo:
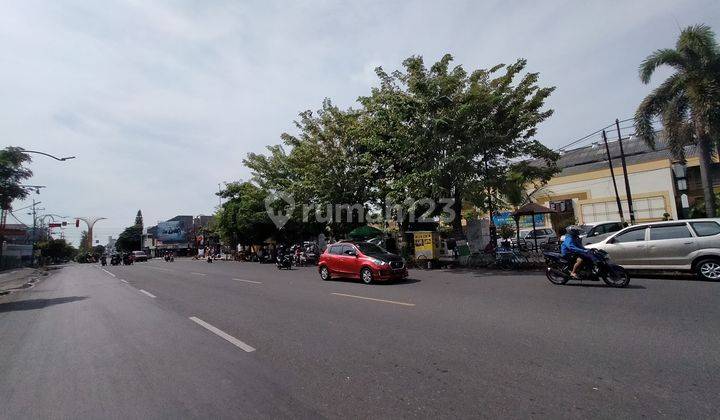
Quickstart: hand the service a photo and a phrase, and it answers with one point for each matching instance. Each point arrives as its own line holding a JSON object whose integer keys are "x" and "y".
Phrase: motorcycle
{"x": 284, "y": 261}
{"x": 115, "y": 260}
{"x": 103, "y": 261}
{"x": 559, "y": 268}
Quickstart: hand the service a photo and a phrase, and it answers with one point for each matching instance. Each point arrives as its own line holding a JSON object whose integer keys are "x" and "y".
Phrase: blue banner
{"x": 505, "y": 217}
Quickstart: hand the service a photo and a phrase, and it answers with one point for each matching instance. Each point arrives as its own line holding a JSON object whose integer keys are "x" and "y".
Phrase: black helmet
{"x": 573, "y": 230}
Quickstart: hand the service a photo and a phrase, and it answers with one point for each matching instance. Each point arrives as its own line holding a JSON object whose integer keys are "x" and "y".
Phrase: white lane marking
{"x": 198, "y": 274}
{"x": 108, "y": 272}
{"x": 376, "y": 300}
{"x": 249, "y": 281}
{"x": 124, "y": 281}
{"x": 248, "y": 348}
{"x": 147, "y": 293}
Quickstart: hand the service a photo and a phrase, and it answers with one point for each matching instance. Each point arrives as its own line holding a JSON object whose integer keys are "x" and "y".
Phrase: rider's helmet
{"x": 573, "y": 230}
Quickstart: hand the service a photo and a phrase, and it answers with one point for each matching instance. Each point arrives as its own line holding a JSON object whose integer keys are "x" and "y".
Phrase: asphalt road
{"x": 244, "y": 340}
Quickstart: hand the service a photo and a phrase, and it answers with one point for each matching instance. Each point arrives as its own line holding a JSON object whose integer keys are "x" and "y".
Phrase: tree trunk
{"x": 457, "y": 208}
{"x": 705, "y": 155}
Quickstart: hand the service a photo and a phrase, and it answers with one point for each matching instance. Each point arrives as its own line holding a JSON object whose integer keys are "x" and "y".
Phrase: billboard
{"x": 171, "y": 232}
{"x": 526, "y": 222}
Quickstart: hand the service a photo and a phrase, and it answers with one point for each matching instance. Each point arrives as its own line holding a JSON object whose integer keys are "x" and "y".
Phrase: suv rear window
{"x": 669, "y": 232}
{"x": 705, "y": 228}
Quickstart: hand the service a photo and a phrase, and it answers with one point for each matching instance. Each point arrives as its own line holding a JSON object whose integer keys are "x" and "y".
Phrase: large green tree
{"x": 424, "y": 133}
{"x": 687, "y": 102}
{"x": 325, "y": 165}
{"x": 129, "y": 239}
{"x": 242, "y": 218}
{"x": 439, "y": 132}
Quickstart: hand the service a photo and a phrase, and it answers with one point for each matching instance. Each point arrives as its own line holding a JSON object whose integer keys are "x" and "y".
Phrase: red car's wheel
{"x": 324, "y": 273}
{"x": 366, "y": 275}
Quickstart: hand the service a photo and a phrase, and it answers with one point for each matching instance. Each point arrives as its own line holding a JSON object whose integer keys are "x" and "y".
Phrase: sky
{"x": 160, "y": 101}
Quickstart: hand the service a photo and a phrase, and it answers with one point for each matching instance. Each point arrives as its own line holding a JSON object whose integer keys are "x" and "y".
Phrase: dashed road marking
{"x": 248, "y": 348}
{"x": 124, "y": 281}
{"x": 109, "y": 272}
{"x": 147, "y": 293}
{"x": 198, "y": 274}
{"x": 249, "y": 281}
{"x": 374, "y": 299}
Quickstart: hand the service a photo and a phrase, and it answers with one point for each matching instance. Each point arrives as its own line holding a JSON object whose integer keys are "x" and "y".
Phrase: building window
{"x": 651, "y": 208}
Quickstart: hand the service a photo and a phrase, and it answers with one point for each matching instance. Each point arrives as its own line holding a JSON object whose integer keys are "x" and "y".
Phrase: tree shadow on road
{"x": 30, "y": 304}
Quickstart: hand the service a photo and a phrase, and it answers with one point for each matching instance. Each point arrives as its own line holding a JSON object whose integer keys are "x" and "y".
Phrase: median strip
{"x": 147, "y": 293}
{"x": 223, "y": 334}
{"x": 373, "y": 299}
{"x": 108, "y": 272}
{"x": 249, "y": 281}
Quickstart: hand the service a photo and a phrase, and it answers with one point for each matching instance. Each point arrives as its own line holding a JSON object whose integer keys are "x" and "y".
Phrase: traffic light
{"x": 77, "y": 223}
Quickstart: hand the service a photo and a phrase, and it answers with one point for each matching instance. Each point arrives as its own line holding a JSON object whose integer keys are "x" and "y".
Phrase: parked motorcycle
{"x": 115, "y": 260}
{"x": 284, "y": 261}
{"x": 103, "y": 260}
{"x": 559, "y": 268}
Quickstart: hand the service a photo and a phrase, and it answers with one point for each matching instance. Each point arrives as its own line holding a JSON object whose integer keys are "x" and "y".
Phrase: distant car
{"x": 684, "y": 245}
{"x": 139, "y": 256}
{"x": 360, "y": 260}
{"x": 591, "y": 233}
{"x": 544, "y": 236}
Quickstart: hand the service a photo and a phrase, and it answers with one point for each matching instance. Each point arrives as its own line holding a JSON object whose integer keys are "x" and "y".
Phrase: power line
{"x": 575, "y": 142}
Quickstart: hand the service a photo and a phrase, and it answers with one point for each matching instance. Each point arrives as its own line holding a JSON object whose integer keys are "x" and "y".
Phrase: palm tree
{"x": 688, "y": 102}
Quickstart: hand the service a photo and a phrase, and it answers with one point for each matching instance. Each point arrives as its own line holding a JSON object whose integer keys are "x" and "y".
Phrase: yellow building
{"x": 659, "y": 188}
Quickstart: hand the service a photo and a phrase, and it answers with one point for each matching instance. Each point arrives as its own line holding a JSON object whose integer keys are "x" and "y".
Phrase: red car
{"x": 361, "y": 260}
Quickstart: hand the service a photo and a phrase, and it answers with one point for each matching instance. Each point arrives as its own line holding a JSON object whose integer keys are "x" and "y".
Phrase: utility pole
{"x": 34, "y": 231}
{"x": 625, "y": 174}
{"x": 612, "y": 175}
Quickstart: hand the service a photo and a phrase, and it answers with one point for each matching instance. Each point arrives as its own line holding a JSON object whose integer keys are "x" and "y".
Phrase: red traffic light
{"x": 54, "y": 225}
{"x": 77, "y": 222}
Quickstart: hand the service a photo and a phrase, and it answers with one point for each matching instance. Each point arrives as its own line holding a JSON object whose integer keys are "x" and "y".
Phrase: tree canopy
{"x": 423, "y": 133}
{"x": 12, "y": 173}
{"x": 129, "y": 239}
{"x": 688, "y": 102}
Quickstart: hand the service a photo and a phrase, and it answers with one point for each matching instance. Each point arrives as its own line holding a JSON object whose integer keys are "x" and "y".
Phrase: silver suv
{"x": 684, "y": 245}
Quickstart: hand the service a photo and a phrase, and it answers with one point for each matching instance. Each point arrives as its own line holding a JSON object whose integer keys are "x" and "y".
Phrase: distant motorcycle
{"x": 559, "y": 269}
{"x": 103, "y": 261}
{"x": 115, "y": 260}
{"x": 284, "y": 261}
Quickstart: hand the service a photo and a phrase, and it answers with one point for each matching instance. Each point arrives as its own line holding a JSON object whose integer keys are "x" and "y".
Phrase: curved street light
{"x": 62, "y": 159}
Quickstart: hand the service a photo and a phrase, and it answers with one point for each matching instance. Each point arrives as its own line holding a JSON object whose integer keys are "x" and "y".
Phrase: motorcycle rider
{"x": 572, "y": 247}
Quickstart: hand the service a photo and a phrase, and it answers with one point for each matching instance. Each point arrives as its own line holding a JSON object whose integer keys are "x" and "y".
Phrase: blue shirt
{"x": 572, "y": 245}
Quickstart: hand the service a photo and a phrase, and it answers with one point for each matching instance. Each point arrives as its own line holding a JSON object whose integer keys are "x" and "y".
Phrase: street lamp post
{"x": 62, "y": 159}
